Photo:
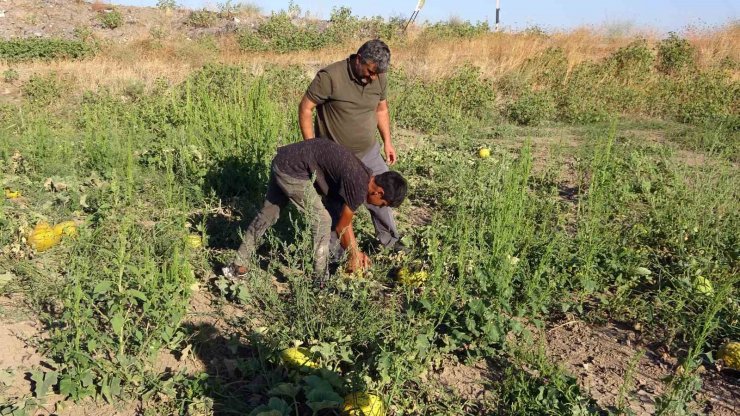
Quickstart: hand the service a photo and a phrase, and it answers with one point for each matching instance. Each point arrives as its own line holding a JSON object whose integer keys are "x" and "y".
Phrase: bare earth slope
{"x": 60, "y": 19}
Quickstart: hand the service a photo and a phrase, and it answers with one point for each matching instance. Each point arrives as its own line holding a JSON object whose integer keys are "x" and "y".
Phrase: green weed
{"x": 111, "y": 19}
{"x": 15, "y": 50}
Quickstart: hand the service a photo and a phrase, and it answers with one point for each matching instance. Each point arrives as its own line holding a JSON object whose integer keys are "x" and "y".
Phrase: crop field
{"x": 573, "y": 219}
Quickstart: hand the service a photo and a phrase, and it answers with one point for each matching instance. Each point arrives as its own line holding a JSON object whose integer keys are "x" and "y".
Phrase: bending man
{"x": 306, "y": 172}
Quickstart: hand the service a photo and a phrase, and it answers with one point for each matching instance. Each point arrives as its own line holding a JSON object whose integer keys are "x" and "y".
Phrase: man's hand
{"x": 390, "y": 153}
{"x": 359, "y": 261}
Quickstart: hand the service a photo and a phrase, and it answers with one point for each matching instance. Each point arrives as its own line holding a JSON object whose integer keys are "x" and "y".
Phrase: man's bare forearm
{"x": 384, "y": 123}
{"x": 305, "y": 118}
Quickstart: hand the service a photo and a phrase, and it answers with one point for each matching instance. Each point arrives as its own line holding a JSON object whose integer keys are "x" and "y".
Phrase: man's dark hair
{"x": 394, "y": 187}
{"x": 378, "y": 52}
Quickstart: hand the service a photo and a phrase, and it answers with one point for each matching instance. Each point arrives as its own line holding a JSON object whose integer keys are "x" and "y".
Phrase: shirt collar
{"x": 351, "y": 71}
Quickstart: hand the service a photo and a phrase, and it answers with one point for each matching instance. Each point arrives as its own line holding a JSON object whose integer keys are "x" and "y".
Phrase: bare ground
{"x": 61, "y": 18}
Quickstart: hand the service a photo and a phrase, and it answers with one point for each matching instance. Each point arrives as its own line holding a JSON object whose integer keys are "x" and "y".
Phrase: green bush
{"x": 535, "y": 31}
{"x": 532, "y": 108}
{"x": 581, "y": 99}
{"x": 35, "y": 48}
{"x": 201, "y": 18}
{"x": 10, "y": 75}
{"x": 280, "y": 34}
{"x": 377, "y": 27}
{"x": 675, "y": 54}
{"x": 43, "y": 89}
{"x": 111, "y": 19}
{"x": 342, "y": 26}
{"x": 707, "y": 98}
{"x": 83, "y": 33}
{"x": 439, "y": 105}
{"x": 167, "y": 4}
{"x": 455, "y": 29}
{"x": 634, "y": 61}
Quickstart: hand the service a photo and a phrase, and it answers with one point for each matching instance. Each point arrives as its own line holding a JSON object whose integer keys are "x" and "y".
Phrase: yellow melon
{"x": 43, "y": 237}
{"x": 363, "y": 404}
{"x": 730, "y": 354}
{"x": 298, "y": 358}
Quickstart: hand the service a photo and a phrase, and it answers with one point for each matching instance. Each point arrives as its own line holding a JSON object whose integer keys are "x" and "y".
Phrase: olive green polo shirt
{"x": 345, "y": 111}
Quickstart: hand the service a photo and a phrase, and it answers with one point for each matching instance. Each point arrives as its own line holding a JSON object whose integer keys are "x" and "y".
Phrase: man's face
{"x": 366, "y": 71}
{"x": 376, "y": 198}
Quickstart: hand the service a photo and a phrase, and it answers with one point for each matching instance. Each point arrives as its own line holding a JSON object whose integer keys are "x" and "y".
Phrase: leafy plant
{"x": 37, "y": 48}
{"x": 456, "y": 29}
{"x": 111, "y": 19}
{"x": 674, "y": 54}
{"x": 532, "y": 108}
{"x": 201, "y": 18}
{"x": 44, "y": 89}
{"x": 10, "y": 75}
{"x": 167, "y": 4}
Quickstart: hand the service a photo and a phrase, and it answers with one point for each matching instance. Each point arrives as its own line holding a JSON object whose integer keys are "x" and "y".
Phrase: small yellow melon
{"x": 730, "y": 354}
{"x": 11, "y": 194}
{"x": 484, "y": 153}
{"x": 195, "y": 241}
{"x": 363, "y": 404}
{"x": 43, "y": 237}
{"x": 298, "y": 358}
{"x": 409, "y": 278}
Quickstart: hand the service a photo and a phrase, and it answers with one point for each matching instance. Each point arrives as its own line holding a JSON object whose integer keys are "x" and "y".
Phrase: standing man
{"x": 350, "y": 101}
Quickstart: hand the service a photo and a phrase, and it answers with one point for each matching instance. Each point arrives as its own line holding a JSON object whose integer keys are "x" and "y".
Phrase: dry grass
{"x": 714, "y": 45}
{"x": 496, "y": 54}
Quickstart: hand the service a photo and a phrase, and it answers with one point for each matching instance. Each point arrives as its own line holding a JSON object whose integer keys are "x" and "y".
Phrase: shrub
{"x": 111, "y": 19}
{"x": 456, "y": 29}
{"x": 215, "y": 80}
{"x": 10, "y": 75}
{"x": 36, "y": 48}
{"x": 532, "y": 108}
{"x": 634, "y": 61}
{"x": 707, "y": 98}
{"x": 166, "y": 4}
{"x": 581, "y": 100}
{"x": 251, "y": 41}
{"x": 83, "y": 33}
{"x": 43, "y": 89}
{"x": 280, "y": 34}
{"x": 377, "y": 27}
{"x": 674, "y": 54}
{"x": 342, "y": 26}
{"x": 201, "y": 18}
{"x": 440, "y": 105}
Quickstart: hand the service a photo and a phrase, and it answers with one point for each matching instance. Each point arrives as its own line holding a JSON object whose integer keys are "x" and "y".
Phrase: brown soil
{"x": 469, "y": 382}
{"x": 602, "y": 358}
{"x": 60, "y": 18}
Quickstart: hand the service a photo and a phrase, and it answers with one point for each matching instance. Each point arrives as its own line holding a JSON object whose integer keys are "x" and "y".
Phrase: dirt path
{"x": 603, "y": 358}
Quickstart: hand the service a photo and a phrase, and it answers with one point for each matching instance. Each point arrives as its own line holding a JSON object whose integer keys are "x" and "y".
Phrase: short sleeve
{"x": 320, "y": 89}
{"x": 383, "y": 78}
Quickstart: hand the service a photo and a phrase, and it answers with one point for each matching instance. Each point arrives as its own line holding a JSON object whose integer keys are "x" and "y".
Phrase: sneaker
{"x": 234, "y": 271}
{"x": 400, "y": 248}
